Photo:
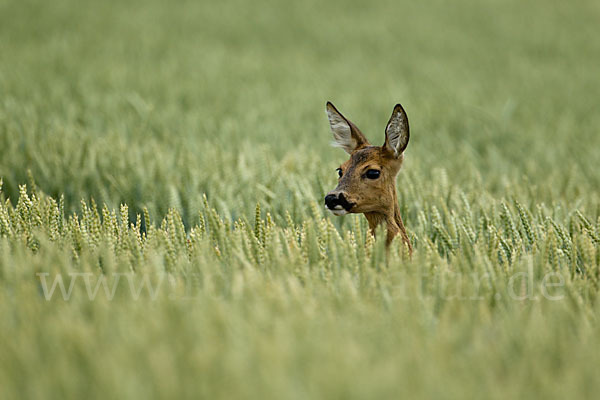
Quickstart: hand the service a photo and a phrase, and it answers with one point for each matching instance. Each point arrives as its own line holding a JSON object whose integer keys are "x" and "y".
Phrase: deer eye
{"x": 373, "y": 174}
{"x": 339, "y": 171}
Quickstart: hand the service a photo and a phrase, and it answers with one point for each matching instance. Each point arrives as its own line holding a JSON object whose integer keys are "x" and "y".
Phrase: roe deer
{"x": 367, "y": 181}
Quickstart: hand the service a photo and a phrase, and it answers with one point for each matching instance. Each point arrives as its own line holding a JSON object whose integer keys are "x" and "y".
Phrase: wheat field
{"x": 163, "y": 167}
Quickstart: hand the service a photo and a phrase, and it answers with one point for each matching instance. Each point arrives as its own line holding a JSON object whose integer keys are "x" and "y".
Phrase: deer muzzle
{"x": 337, "y": 203}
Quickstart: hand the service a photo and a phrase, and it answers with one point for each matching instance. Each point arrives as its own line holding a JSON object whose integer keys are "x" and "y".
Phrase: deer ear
{"x": 345, "y": 134}
{"x": 396, "y": 132}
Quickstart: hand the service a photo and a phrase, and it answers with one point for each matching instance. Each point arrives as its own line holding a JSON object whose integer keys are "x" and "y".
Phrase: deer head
{"x": 367, "y": 181}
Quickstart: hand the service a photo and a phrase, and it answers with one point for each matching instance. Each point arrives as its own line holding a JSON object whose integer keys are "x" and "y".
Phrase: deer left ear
{"x": 396, "y": 132}
{"x": 345, "y": 134}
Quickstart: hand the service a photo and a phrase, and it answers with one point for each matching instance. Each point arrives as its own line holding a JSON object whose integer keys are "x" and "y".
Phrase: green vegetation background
{"x": 158, "y": 105}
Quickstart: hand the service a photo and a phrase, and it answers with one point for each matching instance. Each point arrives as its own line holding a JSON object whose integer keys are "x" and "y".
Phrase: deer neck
{"x": 392, "y": 220}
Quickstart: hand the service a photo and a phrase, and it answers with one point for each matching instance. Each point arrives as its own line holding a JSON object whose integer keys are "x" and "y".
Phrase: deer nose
{"x": 337, "y": 201}
{"x": 331, "y": 201}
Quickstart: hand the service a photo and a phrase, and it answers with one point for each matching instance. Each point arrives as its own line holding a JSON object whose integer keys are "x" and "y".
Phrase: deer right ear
{"x": 396, "y": 132}
{"x": 345, "y": 134}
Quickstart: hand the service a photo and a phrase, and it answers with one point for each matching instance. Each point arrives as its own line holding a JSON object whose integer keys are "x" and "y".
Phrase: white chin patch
{"x": 339, "y": 212}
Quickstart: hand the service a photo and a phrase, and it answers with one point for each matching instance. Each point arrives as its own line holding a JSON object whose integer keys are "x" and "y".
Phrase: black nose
{"x": 331, "y": 200}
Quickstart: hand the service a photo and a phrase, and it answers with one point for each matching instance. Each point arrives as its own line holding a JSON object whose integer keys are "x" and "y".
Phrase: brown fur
{"x": 375, "y": 198}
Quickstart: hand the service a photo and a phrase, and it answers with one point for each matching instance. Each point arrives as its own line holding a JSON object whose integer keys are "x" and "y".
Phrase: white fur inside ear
{"x": 397, "y": 132}
{"x": 342, "y": 133}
